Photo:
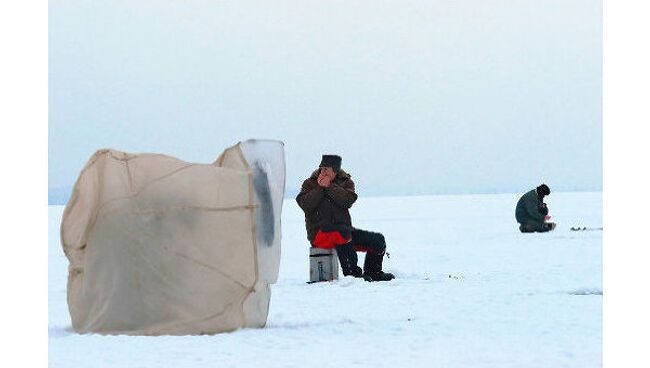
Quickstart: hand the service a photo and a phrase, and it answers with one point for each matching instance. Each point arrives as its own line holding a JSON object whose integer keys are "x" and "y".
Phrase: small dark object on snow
{"x": 584, "y": 228}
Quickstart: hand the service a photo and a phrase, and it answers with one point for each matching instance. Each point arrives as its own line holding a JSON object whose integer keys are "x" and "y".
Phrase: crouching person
{"x": 326, "y": 197}
{"x": 532, "y": 213}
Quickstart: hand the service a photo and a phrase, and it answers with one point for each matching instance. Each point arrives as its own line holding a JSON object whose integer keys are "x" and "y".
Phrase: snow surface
{"x": 471, "y": 291}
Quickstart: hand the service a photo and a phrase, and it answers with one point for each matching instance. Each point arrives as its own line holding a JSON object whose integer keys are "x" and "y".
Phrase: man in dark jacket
{"x": 532, "y": 213}
{"x": 326, "y": 197}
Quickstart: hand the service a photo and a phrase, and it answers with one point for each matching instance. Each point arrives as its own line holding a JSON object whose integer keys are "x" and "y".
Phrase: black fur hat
{"x": 543, "y": 190}
{"x": 332, "y": 161}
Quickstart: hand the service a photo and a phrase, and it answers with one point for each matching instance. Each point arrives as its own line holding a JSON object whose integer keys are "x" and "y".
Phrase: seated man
{"x": 326, "y": 197}
{"x": 532, "y": 213}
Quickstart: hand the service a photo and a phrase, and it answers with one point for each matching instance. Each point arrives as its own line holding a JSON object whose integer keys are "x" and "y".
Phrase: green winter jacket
{"x": 530, "y": 208}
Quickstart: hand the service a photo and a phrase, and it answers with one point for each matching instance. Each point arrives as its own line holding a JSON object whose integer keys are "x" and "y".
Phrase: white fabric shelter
{"x": 161, "y": 246}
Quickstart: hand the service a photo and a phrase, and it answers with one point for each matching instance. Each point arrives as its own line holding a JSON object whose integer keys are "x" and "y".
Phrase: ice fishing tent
{"x": 161, "y": 246}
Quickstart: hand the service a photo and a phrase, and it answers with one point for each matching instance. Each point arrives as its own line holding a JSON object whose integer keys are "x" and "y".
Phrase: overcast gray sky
{"x": 417, "y": 96}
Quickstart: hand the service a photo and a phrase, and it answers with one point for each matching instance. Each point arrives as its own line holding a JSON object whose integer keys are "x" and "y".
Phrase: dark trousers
{"x": 368, "y": 241}
{"x": 535, "y": 227}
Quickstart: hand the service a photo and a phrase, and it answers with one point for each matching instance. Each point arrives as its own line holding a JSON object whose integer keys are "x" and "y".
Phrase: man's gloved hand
{"x": 547, "y": 217}
{"x": 543, "y": 209}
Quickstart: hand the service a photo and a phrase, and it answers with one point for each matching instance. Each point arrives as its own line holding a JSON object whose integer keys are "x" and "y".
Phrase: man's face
{"x": 327, "y": 171}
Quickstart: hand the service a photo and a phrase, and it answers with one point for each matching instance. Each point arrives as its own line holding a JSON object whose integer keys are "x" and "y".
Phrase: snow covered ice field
{"x": 471, "y": 291}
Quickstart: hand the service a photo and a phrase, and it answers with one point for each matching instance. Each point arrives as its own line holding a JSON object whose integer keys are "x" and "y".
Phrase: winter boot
{"x": 372, "y": 268}
{"x": 348, "y": 259}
